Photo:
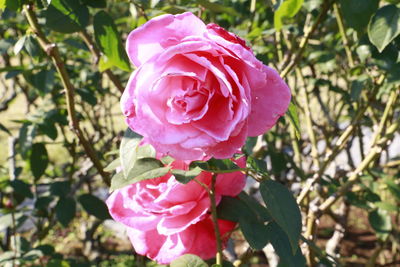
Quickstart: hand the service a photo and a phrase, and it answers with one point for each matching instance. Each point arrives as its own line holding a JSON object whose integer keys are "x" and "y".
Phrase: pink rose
{"x": 166, "y": 219}
{"x": 198, "y": 89}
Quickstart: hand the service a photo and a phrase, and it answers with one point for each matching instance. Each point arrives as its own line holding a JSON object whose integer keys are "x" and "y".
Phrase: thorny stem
{"x": 214, "y": 217}
{"x": 52, "y": 51}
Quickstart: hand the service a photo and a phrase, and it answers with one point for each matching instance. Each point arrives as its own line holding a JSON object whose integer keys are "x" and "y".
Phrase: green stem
{"x": 373, "y": 153}
{"x": 304, "y": 41}
{"x": 342, "y": 31}
{"x": 340, "y": 144}
{"x": 217, "y": 232}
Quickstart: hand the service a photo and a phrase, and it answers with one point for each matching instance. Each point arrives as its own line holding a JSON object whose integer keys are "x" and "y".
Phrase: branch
{"x": 96, "y": 54}
{"x": 339, "y": 145}
{"x": 373, "y": 153}
{"x": 304, "y": 41}
{"x": 52, "y": 51}
{"x": 342, "y": 31}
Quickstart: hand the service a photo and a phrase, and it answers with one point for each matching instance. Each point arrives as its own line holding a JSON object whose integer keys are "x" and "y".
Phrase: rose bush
{"x": 198, "y": 90}
{"x": 166, "y": 219}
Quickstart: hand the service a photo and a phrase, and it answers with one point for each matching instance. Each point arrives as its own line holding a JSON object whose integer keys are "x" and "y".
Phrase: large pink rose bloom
{"x": 166, "y": 219}
{"x": 198, "y": 89}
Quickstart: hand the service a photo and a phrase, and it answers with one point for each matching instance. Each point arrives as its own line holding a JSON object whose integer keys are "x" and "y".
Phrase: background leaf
{"x": 38, "y": 160}
{"x": 356, "y": 14}
{"x": 287, "y": 9}
{"x": 384, "y": 26}
{"x": 66, "y": 16}
{"x": 65, "y": 210}
{"x": 94, "y": 206}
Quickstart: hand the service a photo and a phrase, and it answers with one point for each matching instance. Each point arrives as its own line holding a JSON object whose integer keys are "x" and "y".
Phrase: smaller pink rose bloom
{"x": 166, "y": 219}
{"x": 198, "y": 90}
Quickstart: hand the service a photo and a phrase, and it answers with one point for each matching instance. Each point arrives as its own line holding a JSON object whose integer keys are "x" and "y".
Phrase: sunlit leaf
{"x": 287, "y": 9}
{"x": 109, "y": 41}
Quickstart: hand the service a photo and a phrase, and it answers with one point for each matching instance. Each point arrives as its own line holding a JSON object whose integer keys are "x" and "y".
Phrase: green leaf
{"x": 294, "y": 118}
{"x": 254, "y": 231}
{"x": 356, "y": 14}
{"x": 128, "y": 149}
{"x": 185, "y": 177}
{"x": 49, "y": 129}
{"x": 66, "y": 16}
{"x": 393, "y": 188}
{"x": 43, "y": 81}
{"x": 232, "y": 209}
{"x": 380, "y": 221}
{"x": 142, "y": 166}
{"x": 32, "y": 46}
{"x": 283, "y": 208}
{"x": 94, "y": 206}
{"x": 21, "y": 188}
{"x": 113, "y": 165}
{"x": 65, "y": 210}
{"x": 60, "y": 188}
{"x": 250, "y": 144}
{"x": 256, "y": 207}
{"x": 257, "y": 165}
{"x": 282, "y": 246}
{"x": 26, "y": 134}
{"x": 217, "y": 165}
{"x": 95, "y": 3}
{"x": 19, "y": 45}
{"x": 251, "y": 218}
{"x": 42, "y": 203}
{"x": 109, "y": 42}
{"x": 13, "y": 5}
{"x": 143, "y": 169}
{"x": 87, "y": 95}
{"x": 188, "y": 260}
{"x": 386, "y": 206}
{"x": 384, "y": 26}
{"x": 4, "y": 129}
{"x": 288, "y": 9}
{"x": 38, "y": 160}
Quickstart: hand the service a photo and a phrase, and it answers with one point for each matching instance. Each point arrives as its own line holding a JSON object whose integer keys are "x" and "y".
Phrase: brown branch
{"x": 52, "y": 51}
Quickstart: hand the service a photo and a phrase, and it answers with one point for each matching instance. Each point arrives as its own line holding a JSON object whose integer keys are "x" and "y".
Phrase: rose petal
{"x": 269, "y": 101}
{"x": 175, "y": 224}
{"x": 126, "y": 215}
{"x": 227, "y": 148}
{"x": 160, "y": 248}
{"x": 159, "y": 33}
